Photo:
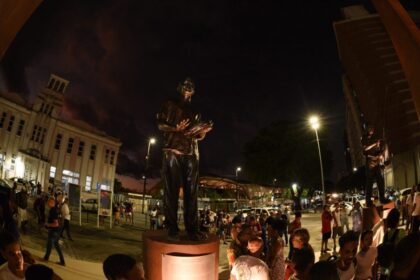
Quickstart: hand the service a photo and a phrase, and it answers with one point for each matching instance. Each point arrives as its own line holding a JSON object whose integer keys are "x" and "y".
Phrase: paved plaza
{"x": 92, "y": 245}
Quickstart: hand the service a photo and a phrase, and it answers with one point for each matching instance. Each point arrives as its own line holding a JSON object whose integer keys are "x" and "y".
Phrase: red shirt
{"x": 326, "y": 222}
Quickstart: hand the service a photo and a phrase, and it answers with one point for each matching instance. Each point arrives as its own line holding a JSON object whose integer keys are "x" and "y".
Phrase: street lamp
{"x": 151, "y": 142}
{"x": 314, "y": 122}
{"x": 238, "y": 169}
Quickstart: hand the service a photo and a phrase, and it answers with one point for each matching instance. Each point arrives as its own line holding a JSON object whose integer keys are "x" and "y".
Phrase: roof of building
{"x": 89, "y": 128}
{"x": 379, "y": 83}
{"x": 15, "y": 98}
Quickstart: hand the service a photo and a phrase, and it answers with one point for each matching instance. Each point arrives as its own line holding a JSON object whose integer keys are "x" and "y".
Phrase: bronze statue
{"x": 182, "y": 129}
{"x": 373, "y": 149}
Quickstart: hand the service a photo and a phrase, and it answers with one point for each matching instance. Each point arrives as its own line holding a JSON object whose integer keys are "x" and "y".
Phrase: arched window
{"x": 51, "y": 84}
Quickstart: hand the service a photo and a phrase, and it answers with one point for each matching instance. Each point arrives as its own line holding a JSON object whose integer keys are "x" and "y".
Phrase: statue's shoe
{"x": 174, "y": 237}
{"x": 197, "y": 236}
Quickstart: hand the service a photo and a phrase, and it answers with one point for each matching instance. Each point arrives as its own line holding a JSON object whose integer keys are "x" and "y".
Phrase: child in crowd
{"x": 255, "y": 247}
{"x": 120, "y": 266}
{"x": 303, "y": 259}
{"x": 295, "y": 224}
{"x": 324, "y": 270}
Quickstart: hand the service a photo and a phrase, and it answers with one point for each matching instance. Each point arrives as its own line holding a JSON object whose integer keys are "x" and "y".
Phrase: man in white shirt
{"x": 65, "y": 214}
{"x": 366, "y": 257}
{"x": 14, "y": 268}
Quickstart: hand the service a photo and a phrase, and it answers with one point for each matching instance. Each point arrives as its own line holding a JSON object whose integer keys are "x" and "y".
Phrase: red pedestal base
{"x": 157, "y": 250}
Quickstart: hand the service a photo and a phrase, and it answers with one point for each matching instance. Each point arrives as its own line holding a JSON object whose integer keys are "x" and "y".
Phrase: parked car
{"x": 262, "y": 210}
{"x": 90, "y": 205}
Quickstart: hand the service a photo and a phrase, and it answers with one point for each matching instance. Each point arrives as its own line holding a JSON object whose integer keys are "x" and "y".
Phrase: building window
{"x": 20, "y": 128}
{"x": 34, "y": 132}
{"x": 38, "y": 134}
{"x": 11, "y": 121}
{"x": 42, "y": 107}
{"x": 3, "y": 117}
{"x": 52, "y": 171}
{"x": 58, "y": 141}
{"x": 92, "y": 152}
{"x": 88, "y": 186}
{"x": 47, "y": 107}
{"x": 44, "y": 131}
{"x": 51, "y": 84}
{"x": 81, "y": 148}
{"x": 70, "y": 145}
{"x": 105, "y": 187}
{"x": 70, "y": 177}
{"x": 106, "y": 155}
{"x": 50, "y": 111}
{"x": 112, "y": 157}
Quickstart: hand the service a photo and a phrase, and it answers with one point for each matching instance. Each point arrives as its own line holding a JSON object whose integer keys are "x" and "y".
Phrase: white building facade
{"x": 37, "y": 144}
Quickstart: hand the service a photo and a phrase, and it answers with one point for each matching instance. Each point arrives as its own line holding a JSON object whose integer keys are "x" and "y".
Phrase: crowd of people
{"x": 257, "y": 248}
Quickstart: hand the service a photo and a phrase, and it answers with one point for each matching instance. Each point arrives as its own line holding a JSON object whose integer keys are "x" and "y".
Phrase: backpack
{"x": 386, "y": 250}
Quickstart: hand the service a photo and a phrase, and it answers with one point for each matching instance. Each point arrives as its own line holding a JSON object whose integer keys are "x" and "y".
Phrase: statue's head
{"x": 187, "y": 87}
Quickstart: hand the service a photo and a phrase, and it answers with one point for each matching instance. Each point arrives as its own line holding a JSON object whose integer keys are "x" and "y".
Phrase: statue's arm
{"x": 163, "y": 119}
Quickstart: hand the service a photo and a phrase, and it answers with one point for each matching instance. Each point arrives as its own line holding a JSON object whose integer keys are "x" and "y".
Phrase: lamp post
{"x": 314, "y": 122}
{"x": 238, "y": 169}
{"x": 151, "y": 142}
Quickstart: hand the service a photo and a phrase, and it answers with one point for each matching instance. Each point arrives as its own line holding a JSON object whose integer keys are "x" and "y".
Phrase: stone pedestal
{"x": 372, "y": 215}
{"x": 185, "y": 259}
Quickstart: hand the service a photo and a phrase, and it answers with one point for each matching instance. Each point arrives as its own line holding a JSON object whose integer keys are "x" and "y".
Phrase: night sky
{"x": 253, "y": 62}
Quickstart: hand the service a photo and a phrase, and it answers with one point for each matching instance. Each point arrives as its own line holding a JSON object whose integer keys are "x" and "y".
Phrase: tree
{"x": 287, "y": 151}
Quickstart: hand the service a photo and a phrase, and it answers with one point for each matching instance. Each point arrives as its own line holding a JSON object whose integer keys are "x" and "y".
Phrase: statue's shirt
{"x": 172, "y": 113}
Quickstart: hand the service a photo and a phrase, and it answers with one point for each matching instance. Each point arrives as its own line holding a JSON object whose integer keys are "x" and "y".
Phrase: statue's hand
{"x": 182, "y": 125}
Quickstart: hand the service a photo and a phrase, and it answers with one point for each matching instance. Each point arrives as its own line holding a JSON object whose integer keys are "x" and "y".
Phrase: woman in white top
{"x": 366, "y": 258}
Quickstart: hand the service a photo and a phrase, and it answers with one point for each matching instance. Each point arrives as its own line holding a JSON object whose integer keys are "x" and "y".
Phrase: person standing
{"x": 415, "y": 215}
{"x": 22, "y": 203}
{"x": 326, "y": 219}
{"x": 275, "y": 255}
{"x": 153, "y": 218}
{"x": 65, "y": 214}
{"x": 182, "y": 129}
{"x": 356, "y": 216}
{"x": 344, "y": 219}
{"x": 53, "y": 227}
{"x": 294, "y": 225}
{"x": 410, "y": 203}
{"x": 337, "y": 229}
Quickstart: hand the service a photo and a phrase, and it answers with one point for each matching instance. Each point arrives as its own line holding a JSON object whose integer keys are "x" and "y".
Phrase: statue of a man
{"x": 182, "y": 129}
{"x": 373, "y": 149}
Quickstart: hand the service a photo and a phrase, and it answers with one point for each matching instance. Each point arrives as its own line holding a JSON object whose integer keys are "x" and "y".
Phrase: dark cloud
{"x": 253, "y": 62}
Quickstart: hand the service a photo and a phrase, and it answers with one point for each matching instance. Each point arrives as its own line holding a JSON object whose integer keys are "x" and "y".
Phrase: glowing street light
{"x": 315, "y": 124}
{"x": 151, "y": 142}
{"x": 238, "y": 169}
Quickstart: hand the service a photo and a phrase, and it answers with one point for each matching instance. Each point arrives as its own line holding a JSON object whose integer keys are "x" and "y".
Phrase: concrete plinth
{"x": 372, "y": 215}
{"x": 185, "y": 259}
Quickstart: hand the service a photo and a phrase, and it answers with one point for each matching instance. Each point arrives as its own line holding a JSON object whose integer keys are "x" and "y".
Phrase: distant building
{"x": 38, "y": 144}
{"x": 377, "y": 92}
